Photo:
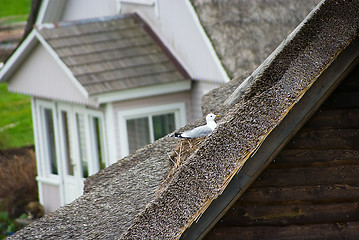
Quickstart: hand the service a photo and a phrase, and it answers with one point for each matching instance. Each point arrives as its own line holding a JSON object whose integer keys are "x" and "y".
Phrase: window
{"x": 82, "y": 141}
{"x": 69, "y": 163}
{"x": 98, "y": 142}
{"x": 141, "y": 2}
{"x": 81, "y": 135}
{"x": 143, "y": 126}
{"x": 144, "y": 130}
{"x": 71, "y": 144}
{"x": 163, "y": 124}
{"x": 50, "y": 139}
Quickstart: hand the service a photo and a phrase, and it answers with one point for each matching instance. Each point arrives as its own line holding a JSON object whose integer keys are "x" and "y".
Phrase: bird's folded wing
{"x": 201, "y": 131}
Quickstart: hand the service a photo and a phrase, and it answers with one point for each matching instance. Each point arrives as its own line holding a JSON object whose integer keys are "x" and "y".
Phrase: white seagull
{"x": 200, "y": 131}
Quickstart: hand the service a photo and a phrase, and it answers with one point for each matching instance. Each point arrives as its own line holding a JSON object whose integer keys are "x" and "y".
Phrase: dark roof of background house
{"x": 123, "y": 196}
{"x": 245, "y": 32}
{"x": 281, "y": 84}
{"x": 114, "y": 53}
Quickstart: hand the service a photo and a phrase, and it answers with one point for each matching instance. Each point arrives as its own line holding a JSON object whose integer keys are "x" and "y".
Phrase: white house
{"x": 106, "y": 78}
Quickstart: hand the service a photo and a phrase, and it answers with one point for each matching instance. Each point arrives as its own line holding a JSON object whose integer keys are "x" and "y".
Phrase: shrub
{"x": 18, "y": 179}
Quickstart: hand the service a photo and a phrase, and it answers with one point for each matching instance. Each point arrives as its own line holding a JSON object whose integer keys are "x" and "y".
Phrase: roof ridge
{"x": 82, "y": 21}
{"x": 206, "y": 173}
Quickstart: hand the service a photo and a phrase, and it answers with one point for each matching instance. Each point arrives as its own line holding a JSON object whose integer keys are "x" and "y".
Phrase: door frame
{"x": 76, "y": 182}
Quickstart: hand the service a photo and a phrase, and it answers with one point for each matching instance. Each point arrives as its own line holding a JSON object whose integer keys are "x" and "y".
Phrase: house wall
{"x": 84, "y": 9}
{"x": 200, "y": 88}
{"x": 178, "y": 26}
{"x": 58, "y": 189}
{"x": 175, "y": 22}
{"x": 41, "y": 76}
{"x": 51, "y": 197}
{"x": 310, "y": 190}
{"x": 147, "y": 103}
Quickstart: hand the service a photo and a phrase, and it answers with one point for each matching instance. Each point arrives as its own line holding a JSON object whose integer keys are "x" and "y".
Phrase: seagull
{"x": 200, "y": 131}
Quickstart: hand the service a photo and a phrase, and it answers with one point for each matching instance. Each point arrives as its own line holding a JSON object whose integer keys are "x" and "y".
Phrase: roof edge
{"x": 50, "y": 10}
{"x": 61, "y": 64}
{"x": 240, "y": 90}
{"x": 264, "y": 108}
{"x": 18, "y": 57}
{"x": 209, "y": 44}
{"x": 163, "y": 47}
{"x": 310, "y": 101}
{"x": 146, "y": 91}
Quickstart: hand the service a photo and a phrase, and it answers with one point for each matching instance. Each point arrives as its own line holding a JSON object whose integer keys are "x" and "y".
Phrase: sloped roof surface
{"x": 112, "y": 54}
{"x": 245, "y": 32}
{"x": 112, "y": 199}
{"x": 101, "y": 213}
{"x": 273, "y": 93}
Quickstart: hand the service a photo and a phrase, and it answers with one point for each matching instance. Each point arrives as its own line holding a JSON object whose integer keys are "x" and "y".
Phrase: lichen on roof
{"x": 118, "y": 194}
{"x": 245, "y": 32}
{"x": 273, "y": 93}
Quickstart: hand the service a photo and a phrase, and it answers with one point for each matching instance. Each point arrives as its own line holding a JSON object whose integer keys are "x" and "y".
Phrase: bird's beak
{"x": 217, "y": 116}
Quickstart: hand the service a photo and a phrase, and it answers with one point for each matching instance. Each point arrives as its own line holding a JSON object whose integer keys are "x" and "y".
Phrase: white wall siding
{"x": 84, "y": 9}
{"x": 175, "y": 22}
{"x": 149, "y": 102}
{"x": 47, "y": 79}
{"x": 179, "y": 28}
{"x": 51, "y": 197}
{"x": 199, "y": 89}
{"x": 111, "y": 133}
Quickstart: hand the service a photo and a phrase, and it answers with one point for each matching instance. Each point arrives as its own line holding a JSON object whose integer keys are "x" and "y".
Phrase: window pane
{"x": 98, "y": 142}
{"x": 80, "y": 121}
{"x": 50, "y": 137}
{"x": 138, "y": 133}
{"x": 163, "y": 124}
{"x": 67, "y": 144}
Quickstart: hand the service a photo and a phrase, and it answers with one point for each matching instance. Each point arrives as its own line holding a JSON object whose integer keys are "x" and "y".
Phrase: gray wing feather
{"x": 201, "y": 131}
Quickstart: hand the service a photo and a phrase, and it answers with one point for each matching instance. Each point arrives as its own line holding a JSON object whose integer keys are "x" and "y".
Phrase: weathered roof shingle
{"x": 112, "y": 54}
{"x": 273, "y": 90}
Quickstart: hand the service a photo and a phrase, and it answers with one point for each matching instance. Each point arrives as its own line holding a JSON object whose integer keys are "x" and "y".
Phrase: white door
{"x": 71, "y": 179}
{"x": 82, "y": 148}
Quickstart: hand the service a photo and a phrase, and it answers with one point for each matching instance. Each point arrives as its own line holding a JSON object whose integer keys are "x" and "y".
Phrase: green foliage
{"x": 8, "y": 225}
{"x": 15, "y": 119}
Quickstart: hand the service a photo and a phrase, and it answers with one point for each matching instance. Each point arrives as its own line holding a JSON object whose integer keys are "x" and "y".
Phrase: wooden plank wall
{"x": 311, "y": 189}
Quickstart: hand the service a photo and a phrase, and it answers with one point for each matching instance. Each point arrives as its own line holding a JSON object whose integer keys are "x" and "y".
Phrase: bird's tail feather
{"x": 176, "y": 135}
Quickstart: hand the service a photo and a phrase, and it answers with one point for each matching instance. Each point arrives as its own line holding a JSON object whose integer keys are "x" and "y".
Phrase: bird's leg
{"x": 179, "y": 155}
{"x": 172, "y": 160}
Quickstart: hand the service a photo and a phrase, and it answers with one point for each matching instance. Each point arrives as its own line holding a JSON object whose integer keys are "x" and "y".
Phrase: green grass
{"x": 15, "y": 120}
{"x": 12, "y": 8}
{"x": 15, "y": 109}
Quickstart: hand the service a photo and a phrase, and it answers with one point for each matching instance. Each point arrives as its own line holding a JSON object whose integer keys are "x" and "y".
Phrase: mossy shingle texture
{"x": 272, "y": 94}
{"x": 123, "y": 201}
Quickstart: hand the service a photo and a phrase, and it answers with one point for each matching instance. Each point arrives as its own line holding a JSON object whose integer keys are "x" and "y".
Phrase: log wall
{"x": 311, "y": 189}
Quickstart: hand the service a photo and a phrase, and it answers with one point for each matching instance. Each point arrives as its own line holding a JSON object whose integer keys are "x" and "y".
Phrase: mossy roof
{"x": 124, "y": 201}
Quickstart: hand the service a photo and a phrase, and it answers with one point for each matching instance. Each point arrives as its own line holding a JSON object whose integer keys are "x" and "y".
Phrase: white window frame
{"x": 100, "y": 116}
{"x": 44, "y": 163}
{"x": 44, "y": 171}
{"x": 179, "y": 109}
{"x": 145, "y": 3}
{"x": 139, "y": 2}
{"x": 88, "y": 114}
